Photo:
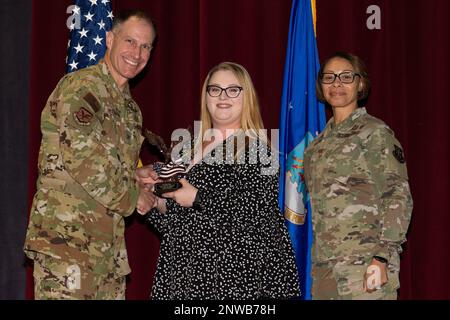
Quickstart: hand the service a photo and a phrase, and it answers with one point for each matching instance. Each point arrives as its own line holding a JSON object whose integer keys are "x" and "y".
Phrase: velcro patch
{"x": 53, "y": 106}
{"x": 92, "y": 101}
{"x": 398, "y": 154}
{"x": 83, "y": 117}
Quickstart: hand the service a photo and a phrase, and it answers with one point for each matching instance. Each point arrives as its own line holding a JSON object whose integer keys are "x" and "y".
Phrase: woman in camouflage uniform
{"x": 361, "y": 203}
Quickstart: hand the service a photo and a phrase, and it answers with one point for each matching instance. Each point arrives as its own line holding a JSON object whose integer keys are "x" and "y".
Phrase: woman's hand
{"x": 184, "y": 196}
{"x": 376, "y": 278}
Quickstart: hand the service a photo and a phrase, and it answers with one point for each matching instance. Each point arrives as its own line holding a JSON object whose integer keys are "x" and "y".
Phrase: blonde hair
{"x": 251, "y": 120}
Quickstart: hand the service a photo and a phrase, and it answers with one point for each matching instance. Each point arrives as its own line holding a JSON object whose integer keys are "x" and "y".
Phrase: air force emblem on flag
{"x": 301, "y": 114}
{"x": 295, "y": 188}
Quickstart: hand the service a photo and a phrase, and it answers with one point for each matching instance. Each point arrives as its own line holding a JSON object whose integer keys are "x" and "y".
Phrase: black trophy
{"x": 170, "y": 171}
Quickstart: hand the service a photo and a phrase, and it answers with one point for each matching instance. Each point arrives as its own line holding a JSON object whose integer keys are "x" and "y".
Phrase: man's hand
{"x": 371, "y": 277}
{"x": 146, "y": 177}
{"x": 184, "y": 196}
{"x": 146, "y": 201}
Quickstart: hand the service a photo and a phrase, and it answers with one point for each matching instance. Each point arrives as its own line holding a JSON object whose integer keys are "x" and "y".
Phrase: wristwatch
{"x": 380, "y": 259}
{"x": 197, "y": 204}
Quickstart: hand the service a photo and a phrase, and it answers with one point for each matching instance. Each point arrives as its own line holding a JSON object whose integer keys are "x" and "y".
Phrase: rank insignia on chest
{"x": 92, "y": 101}
{"x": 398, "y": 154}
{"x": 83, "y": 117}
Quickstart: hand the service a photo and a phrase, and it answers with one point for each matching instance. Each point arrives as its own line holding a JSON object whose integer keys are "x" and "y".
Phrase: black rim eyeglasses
{"x": 216, "y": 91}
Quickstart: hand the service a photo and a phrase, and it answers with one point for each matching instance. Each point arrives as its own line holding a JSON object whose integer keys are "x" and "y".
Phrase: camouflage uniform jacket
{"x": 361, "y": 202}
{"x": 91, "y": 137}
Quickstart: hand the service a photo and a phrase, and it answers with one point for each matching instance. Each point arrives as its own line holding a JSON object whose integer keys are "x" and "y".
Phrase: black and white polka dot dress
{"x": 236, "y": 247}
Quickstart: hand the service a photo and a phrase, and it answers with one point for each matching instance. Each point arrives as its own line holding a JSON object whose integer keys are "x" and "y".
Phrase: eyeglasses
{"x": 344, "y": 77}
{"x": 231, "y": 92}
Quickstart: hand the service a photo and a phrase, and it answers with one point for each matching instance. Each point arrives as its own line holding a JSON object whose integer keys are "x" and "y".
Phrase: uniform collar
{"x": 345, "y": 125}
{"x": 108, "y": 78}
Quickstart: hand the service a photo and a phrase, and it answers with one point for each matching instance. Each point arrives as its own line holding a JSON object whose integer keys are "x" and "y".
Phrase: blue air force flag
{"x": 302, "y": 118}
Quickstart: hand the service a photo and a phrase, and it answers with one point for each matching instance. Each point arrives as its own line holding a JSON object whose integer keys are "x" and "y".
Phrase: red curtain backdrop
{"x": 407, "y": 57}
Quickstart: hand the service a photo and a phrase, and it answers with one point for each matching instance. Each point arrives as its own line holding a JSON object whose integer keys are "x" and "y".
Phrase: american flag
{"x": 88, "y": 24}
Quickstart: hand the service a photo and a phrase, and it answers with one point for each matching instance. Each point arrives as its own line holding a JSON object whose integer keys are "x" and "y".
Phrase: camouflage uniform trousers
{"x": 55, "y": 279}
{"x": 344, "y": 281}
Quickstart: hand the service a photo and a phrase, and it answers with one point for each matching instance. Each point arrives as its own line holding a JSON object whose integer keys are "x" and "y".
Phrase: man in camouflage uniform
{"x": 91, "y": 137}
{"x": 361, "y": 205}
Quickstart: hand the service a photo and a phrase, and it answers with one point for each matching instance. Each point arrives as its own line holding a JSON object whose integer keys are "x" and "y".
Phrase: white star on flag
{"x": 87, "y": 40}
{"x": 79, "y": 48}
{"x": 89, "y": 16}
{"x": 76, "y": 10}
{"x": 101, "y": 24}
{"x": 73, "y": 65}
{"x": 98, "y": 40}
{"x": 83, "y": 33}
{"x": 92, "y": 56}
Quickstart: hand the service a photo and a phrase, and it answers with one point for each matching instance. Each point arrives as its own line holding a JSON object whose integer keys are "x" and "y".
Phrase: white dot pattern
{"x": 237, "y": 247}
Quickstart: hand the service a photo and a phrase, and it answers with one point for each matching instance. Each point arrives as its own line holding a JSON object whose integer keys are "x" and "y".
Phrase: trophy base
{"x": 162, "y": 187}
